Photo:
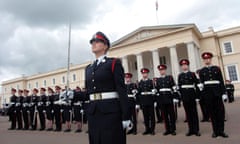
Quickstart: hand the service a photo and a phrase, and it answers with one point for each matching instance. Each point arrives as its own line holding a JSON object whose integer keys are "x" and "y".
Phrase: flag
{"x": 156, "y": 5}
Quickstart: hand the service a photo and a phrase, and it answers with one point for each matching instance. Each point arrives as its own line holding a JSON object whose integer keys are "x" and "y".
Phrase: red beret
{"x": 184, "y": 62}
{"x": 99, "y": 36}
{"x": 50, "y": 89}
{"x": 144, "y": 70}
{"x": 128, "y": 75}
{"x": 162, "y": 67}
{"x": 21, "y": 91}
{"x": 58, "y": 87}
{"x": 36, "y": 90}
{"x": 207, "y": 55}
{"x": 13, "y": 89}
{"x": 43, "y": 89}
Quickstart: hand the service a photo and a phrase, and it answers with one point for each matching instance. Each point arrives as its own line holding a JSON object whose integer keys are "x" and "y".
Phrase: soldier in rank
{"x": 187, "y": 82}
{"x": 214, "y": 94}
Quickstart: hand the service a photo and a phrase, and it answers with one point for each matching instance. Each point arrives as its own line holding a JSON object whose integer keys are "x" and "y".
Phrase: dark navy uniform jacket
{"x": 130, "y": 88}
{"x": 229, "y": 88}
{"x": 209, "y": 74}
{"x": 104, "y": 78}
{"x": 165, "y": 97}
{"x": 188, "y": 78}
{"x": 146, "y": 86}
{"x": 13, "y": 100}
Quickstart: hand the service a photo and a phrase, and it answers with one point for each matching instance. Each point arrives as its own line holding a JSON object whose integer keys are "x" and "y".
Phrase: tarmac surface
{"x": 232, "y": 128}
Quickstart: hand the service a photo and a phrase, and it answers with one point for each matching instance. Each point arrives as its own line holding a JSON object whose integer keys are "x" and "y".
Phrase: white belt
{"x": 40, "y": 103}
{"x": 212, "y": 82}
{"x": 12, "y": 103}
{"x": 86, "y": 101}
{"x": 77, "y": 104}
{"x": 165, "y": 90}
{"x": 131, "y": 96}
{"x": 228, "y": 88}
{"x": 146, "y": 93}
{"x": 25, "y": 104}
{"x": 104, "y": 95}
{"x": 187, "y": 86}
{"x": 18, "y": 104}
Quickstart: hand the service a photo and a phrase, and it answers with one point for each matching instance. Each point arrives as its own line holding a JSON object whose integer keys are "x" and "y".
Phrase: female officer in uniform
{"x": 108, "y": 114}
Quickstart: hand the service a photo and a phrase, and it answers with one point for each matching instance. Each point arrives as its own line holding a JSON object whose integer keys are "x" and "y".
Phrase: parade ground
{"x": 232, "y": 128}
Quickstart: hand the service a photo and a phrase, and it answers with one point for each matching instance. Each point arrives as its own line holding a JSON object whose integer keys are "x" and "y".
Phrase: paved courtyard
{"x": 36, "y": 137}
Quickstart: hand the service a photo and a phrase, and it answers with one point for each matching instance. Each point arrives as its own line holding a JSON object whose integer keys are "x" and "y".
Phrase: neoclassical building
{"x": 148, "y": 47}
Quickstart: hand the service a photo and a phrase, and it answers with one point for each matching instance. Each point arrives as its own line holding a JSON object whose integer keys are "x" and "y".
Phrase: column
{"x": 192, "y": 57}
{"x": 125, "y": 64}
{"x": 139, "y": 65}
{"x": 156, "y": 62}
{"x": 174, "y": 62}
{"x": 198, "y": 57}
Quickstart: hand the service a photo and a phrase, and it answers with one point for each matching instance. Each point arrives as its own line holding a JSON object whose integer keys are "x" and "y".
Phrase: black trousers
{"x": 158, "y": 113}
{"x": 106, "y": 128}
{"x": 12, "y": 116}
{"x": 192, "y": 115}
{"x": 26, "y": 113}
{"x": 33, "y": 115}
{"x": 217, "y": 114}
{"x": 42, "y": 117}
{"x": 205, "y": 113}
{"x": 19, "y": 117}
{"x": 57, "y": 116}
{"x": 168, "y": 116}
{"x": 133, "y": 116}
{"x": 149, "y": 118}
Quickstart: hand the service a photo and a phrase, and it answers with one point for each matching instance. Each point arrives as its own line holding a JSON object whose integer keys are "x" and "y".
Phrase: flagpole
{"x": 68, "y": 61}
{"x": 157, "y": 12}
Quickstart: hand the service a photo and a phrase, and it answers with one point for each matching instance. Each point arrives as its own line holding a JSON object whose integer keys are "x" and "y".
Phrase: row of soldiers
{"x": 61, "y": 106}
{"x": 162, "y": 95}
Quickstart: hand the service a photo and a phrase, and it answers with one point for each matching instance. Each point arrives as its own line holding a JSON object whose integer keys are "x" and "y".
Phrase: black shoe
{"x": 159, "y": 121}
{"x": 67, "y": 130}
{"x": 57, "y": 130}
{"x": 189, "y": 134}
{"x": 185, "y": 121}
{"x": 145, "y": 133}
{"x": 11, "y": 128}
{"x": 197, "y": 134}
{"x": 19, "y": 129}
{"x": 214, "y": 135}
{"x": 224, "y": 135}
{"x": 130, "y": 132}
{"x": 25, "y": 129}
{"x": 78, "y": 131}
{"x": 134, "y": 133}
{"x": 152, "y": 133}
{"x": 49, "y": 129}
{"x": 166, "y": 133}
{"x": 33, "y": 129}
{"x": 173, "y": 133}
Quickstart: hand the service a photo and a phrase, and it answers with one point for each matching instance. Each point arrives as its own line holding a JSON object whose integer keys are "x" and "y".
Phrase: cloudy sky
{"x": 34, "y": 33}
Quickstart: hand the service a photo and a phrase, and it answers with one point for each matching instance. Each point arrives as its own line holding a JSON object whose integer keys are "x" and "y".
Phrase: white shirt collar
{"x": 100, "y": 59}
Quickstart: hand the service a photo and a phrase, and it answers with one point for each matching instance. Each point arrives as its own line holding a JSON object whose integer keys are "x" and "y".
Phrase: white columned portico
{"x": 139, "y": 65}
{"x": 174, "y": 62}
{"x": 125, "y": 64}
{"x": 192, "y": 57}
{"x": 156, "y": 62}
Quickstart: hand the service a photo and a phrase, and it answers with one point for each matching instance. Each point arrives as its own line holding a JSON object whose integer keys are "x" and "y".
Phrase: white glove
{"x": 134, "y": 91}
{"x": 175, "y": 88}
{"x": 155, "y": 104}
{"x": 81, "y": 111}
{"x": 200, "y": 86}
{"x": 154, "y": 91}
{"x": 224, "y": 97}
{"x": 197, "y": 100}
{"x": 175, "y": 100}
{"x": 137, "y": 106}
{"x": 127, "y": 124}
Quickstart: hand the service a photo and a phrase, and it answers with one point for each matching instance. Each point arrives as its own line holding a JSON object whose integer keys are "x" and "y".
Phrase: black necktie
{"x": 95, "y": 64}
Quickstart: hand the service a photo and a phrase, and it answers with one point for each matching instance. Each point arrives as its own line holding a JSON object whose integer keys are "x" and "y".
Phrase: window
{"x": 36, "y": 84}
{"x": 63, "y": 79}
{"x": 29, "y": 86}
{"x": 227, "y": 47}
{"x": 44, "y": 83}
{"x": 17, "y": 86}
{"x": 53, "y": 81}
{"x": 162, "y": 60}
{"x": 74, "y": 77}
{"x": 232, "y": 72}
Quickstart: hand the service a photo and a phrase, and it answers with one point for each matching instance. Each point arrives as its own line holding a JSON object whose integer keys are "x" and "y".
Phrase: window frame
{"x": 223, "y": 48}
{"x": 227, "y": 72}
